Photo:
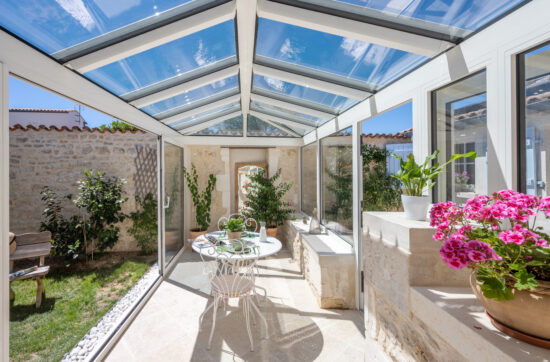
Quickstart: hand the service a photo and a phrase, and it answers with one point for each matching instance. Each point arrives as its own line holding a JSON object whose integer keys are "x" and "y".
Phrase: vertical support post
{"x": 160, "y": 203}
{"x": 319, "y": 174}
{"x": 4, "y": 213}
{"x": 357, "y": 164}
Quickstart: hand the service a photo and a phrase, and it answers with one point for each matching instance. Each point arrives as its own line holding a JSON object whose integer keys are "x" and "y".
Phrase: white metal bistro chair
{"x": 231, "y": 276}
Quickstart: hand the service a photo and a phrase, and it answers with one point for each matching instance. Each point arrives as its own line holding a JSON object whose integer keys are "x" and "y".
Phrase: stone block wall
{"x": 56, "y": 158}
{"x": 399, "y": 253}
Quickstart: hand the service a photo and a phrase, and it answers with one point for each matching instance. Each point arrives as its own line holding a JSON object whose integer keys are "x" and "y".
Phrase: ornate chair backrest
{"x": 230, "y": 268}
{"x": 250, "y": 224}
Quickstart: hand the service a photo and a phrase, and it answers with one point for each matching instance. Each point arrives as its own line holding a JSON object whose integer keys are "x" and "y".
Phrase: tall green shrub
{"x": 144, "y": 226}
{"x": 67, "y": 234}
{"x": 265, "y": 199}
{"x": 381, "y": 192}
{"x": 101, "y": 200}
{"x": 201, "y": 200}
{"x": 340, "y": 183}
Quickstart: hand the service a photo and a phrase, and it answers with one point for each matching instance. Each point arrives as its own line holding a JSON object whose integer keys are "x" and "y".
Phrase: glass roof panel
{"x": 283, "y": 113}
{"x": 205, "y": 116}
{"x": 53, "y": 25}
{"x": 168, "y": 60}
{"x": 337, "y": 103}
{"x": 346, "y": 57}
{"x": 232, "y": 127}
{"x": 457, "y": 18}
{"x": 258, "y": 128}
{"x": 231, "y": 83}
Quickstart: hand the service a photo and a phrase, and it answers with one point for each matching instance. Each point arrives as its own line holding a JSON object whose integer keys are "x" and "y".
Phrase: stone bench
{"x": 327, "y": 263}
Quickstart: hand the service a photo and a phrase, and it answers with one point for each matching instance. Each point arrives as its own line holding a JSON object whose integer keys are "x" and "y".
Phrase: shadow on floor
{"x": 293, "y": 335}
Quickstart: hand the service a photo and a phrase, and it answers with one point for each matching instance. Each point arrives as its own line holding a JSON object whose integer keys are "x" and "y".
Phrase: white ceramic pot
{"x": 416, "y": 207}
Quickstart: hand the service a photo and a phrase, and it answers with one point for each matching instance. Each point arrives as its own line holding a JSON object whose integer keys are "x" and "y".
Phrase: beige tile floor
{"x": 167, "y": 328}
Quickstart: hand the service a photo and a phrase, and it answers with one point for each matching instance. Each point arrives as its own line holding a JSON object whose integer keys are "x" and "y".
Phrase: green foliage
{"x": 144, "y": 227}
{"x": 101, "y": 199}
{"x": 340, "y": 184}
{"x": 75, "y": 300}
{"x": 418, "y": 178}
{"x": 265, "y": 199}
{"x": 381, "y": 192}
{"x": 201, "y": 200}
{"x": 174, "y": 197}
{"x": 234, "y": 225}
{"x": 67, "y": 234}
{"x": 114, "y": 125}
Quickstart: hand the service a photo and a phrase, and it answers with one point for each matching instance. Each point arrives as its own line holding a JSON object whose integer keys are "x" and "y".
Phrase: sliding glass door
{"x": 172, "y": 201}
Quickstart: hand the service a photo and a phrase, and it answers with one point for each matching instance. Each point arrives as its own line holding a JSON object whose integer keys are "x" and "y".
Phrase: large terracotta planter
{"x": 525, "y": 317}
{"x": 271, "y": 232}
{"x": 193, "y": 234}
{"x": 231, "y": 235}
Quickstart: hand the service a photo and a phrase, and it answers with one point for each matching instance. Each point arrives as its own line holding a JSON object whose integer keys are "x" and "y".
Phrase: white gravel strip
{"x": 93, "y": 341}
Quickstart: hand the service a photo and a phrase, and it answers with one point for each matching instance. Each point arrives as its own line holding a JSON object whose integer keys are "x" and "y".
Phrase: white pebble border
{"x": 94, "y": 340}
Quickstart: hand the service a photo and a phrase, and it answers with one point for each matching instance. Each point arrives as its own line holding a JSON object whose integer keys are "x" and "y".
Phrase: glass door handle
{"x": 167, "y": 204}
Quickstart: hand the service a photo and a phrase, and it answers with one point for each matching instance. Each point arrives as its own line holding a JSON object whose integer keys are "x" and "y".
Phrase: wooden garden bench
{"x": 31, "y": 246}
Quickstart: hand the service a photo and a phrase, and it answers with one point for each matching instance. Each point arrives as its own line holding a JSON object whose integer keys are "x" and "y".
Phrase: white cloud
{"x": 114, "y": 8}
{"x": 288, "y": 51}
{"x": 219, "y": 84}
{"x": 201, "y": 56}
{"x": 275, "y": 83}
{"x": 354, "y": 48}
{"x": 78, "y": 11}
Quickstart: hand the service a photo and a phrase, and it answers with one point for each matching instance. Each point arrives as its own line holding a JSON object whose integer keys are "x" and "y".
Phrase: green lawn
{"x": 74, "y": 302}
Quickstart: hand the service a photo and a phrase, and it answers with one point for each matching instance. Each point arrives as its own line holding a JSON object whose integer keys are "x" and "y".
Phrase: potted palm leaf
{"x": 417, "y": 179}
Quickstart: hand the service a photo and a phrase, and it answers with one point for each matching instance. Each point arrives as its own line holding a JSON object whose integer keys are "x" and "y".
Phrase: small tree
{"x": 114, "y": 125}
{"x": 101, "y": 200}
{"x": 144, "y": 227}
{"x": 201, "y": 200}
{"x": 381, "y": 192}
{"x": 340, "y": 184}
{"x": 265, "y": 199}
{"x": 67, "y": 234}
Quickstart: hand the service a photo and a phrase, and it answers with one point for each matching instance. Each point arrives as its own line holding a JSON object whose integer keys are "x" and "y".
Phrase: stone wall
{"x": 220, "y": 161}
{"x": 397, "y": 254}
{"x": 56, "y": 158}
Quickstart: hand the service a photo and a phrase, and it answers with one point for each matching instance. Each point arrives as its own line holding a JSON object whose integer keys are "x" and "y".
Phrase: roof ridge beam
{"x": 201, "y": 109}
{"x": 291, "y": 107}
{"x": 199, "y": 127}
{"x": 286, "y": 122}
{"x": 331, "y": 24}
{"x": 246, "y": 36}
{"x": 185, "y": 87}
{"x": 304, "y": 81}
{"x": 153, "y": 38}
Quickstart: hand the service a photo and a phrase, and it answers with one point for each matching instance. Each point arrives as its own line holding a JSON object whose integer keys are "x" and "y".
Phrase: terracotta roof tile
{"x": 68, "y": 129}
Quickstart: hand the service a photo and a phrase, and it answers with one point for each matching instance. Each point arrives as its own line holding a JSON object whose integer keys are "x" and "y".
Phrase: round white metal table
{"x": 265, "y": 248}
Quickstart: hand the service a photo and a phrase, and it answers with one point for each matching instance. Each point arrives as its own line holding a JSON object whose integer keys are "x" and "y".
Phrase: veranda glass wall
{"x": 460, "y": 126}
{"x": 337, "y": 183}
{"x": 534, "y": 122}
{"x": 309, "y": 178}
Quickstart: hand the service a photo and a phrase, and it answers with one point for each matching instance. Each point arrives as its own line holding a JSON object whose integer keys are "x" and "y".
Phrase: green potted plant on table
{"x": 265, "y": 200}
{"x": 201, "y": 200}
{"x": 234, "y": 228}
{"x": 498, "y": 239}
{"x": 419, "y": 178}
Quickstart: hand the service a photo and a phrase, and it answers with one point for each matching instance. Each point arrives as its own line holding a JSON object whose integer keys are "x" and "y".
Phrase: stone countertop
{"x": 456, "y": 315}
{"x": 323, "y": 244}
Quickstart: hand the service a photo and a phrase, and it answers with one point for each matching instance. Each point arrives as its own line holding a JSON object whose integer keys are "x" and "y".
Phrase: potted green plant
{"x": 202, "y": 200}
{"x": 265, "y": 200}
{"x": 417, "y": 179}
{"x": 497, "y": 237}
{"x": 234, "y": 228}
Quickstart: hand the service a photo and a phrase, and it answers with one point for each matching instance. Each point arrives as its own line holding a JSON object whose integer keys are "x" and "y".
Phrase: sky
{"x": 25, "y": 95}
{"x": 396, "y": 120}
